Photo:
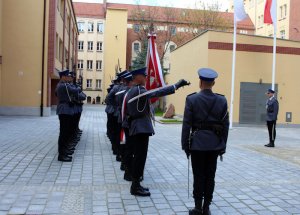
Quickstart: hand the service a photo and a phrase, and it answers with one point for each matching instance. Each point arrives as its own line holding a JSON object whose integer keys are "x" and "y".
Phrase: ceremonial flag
{"x": 154, "y": 71}
{"x": 239, "y": 15}
{"x": 122, "y": 133}
{"x": 270, "y": 12}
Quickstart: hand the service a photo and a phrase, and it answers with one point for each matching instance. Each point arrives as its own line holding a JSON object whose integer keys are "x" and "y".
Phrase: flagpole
{"x": 233, "y": 72}
{"x": 274, "y": 46}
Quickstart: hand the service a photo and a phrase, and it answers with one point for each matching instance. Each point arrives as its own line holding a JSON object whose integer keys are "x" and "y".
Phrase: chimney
{"x": 104, "y": 7}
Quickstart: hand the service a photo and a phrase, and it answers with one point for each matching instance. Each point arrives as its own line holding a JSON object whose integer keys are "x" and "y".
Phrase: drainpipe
{"x": 43, "y": 63}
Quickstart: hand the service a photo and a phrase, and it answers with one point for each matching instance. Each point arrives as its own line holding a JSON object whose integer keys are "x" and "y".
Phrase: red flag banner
{"x": 270, "y": 12}
{"x": 154, "y": 71}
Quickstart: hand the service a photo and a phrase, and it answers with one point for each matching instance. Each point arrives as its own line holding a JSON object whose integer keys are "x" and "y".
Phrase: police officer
{"x": 139, "y": 117}
{"x": 272, "y": 107}
{"x": 204, "y": 136}
{"x": 110, "y": 110}
{"x": 116, "y": 127}
{"x": 109, "y": 113}
{"x": 65, "y": 111}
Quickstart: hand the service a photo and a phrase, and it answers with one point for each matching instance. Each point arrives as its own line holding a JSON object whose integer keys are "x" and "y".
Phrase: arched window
{"x": 89, "y": 99}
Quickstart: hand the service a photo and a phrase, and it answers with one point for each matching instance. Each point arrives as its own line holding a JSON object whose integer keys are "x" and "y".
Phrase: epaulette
{"x": 191, "y": 94}
{"x": 219, "y": 94}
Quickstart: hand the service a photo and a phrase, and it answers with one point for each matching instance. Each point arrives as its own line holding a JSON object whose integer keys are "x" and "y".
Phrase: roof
{"x": 89, "y": 10}
{"x": 174, "y": 15}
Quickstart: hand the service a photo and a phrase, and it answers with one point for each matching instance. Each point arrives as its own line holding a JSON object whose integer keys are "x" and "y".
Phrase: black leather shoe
{"x": 64, "y": 158}
{"x": 145, "y": 188}
{"x": 269, "y": 145}
{"x": 138, "y": 191}
{"x": 195, "y": 211}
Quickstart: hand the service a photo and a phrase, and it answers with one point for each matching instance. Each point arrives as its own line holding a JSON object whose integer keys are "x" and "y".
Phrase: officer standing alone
{"x": 272, "y": 107}
{"x": 204, "y": 136}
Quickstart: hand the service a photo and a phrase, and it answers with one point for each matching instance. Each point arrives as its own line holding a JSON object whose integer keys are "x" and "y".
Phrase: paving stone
{"x": 252, "y": 179}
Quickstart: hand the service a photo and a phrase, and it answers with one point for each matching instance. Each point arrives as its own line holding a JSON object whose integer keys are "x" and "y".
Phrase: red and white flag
{"x": 155, "y": 76}
{"x": 270, "y": 12}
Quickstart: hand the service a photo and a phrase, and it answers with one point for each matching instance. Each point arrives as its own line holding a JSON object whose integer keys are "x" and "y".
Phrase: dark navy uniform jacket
{"x": 111, "y": 107}
{"x": 65, "y": 92}
{"x": 199, "y": 107}
{"x": 272, "y": 109}
{"x": 139, "y": 111}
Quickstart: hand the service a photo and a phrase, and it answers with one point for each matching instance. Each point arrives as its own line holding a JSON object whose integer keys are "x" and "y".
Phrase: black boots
{"x": 137, "y": 190}
{"x": 198, "y": 208}
{"x": 271, "y": 144}
{"x": 64, "y": 158}
{"x": 206, "y": 210}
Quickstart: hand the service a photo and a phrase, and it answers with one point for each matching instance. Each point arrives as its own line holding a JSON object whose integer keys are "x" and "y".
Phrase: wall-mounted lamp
{"x": 116, "y": 37}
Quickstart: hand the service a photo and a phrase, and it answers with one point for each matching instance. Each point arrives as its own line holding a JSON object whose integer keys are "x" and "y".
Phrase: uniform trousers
{"x": 128, "y": 151}
{"x": 109, "y": 125}
{"x": 65, "y": 128}
{"x": 140, "y": 148}
{"x": 272, "y": 130}
{"x": 204, "y": 165}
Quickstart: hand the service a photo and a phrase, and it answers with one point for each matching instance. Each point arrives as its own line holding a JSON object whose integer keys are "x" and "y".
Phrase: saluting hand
{"x": 181, "y": 83}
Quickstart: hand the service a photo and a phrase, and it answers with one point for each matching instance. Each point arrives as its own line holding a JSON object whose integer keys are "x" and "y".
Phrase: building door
{"x": 89, "y": 100}
{"x": 98, "y": 100}
{"x": 253, "y": 102}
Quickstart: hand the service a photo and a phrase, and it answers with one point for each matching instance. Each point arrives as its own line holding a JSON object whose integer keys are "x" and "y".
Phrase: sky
{"x": 171, "y": 3}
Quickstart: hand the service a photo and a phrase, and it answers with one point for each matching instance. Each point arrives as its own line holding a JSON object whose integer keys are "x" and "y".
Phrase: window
{"x": 136, "y": 28}
{"x": 136, "y": 47}
{"x": 100, "y": 27}
{"x": 90, "y": 45}
{"x": 61, "y": 8}
{"x": 60, "y": 50}
{"x": 88, "y": 83}
{"x": 90, "y": 27}
{"x": 89, "y": 64}
{"x": 285, "y": 10}
{"x": 173, "y": 30}
{"x": 80, "y": 64}
{"x": 80, "y": 45}
{"x": 98, "y": 84}
{"x": 57, "y": 46}
{"x": 80, "y": 26}
{"x": 99, "y": 65}
{"x": 172, "y": 47}
{"x": 282, "y": 34}
{"x": 99, "y": 46}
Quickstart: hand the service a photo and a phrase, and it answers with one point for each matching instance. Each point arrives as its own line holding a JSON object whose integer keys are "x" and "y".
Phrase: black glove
{"x": 181, "y": 83}
{"x": 188, "y": 153}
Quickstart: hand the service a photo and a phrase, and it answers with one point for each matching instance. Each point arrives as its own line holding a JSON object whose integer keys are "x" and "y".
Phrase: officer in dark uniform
{"x": 139, "y": 118}
{"x": 126, "y": 80}
{"x": 110, "y": 110}
{"x": 272, "y": 107}
{"x": 65, "y": 111}
{"x": 204, "y": 136}
{"x": 116, "y": 127}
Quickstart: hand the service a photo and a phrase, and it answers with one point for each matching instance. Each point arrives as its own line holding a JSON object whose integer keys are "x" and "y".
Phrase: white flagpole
{"x": 233, "y": 71}
{"x": 274, "y": 45}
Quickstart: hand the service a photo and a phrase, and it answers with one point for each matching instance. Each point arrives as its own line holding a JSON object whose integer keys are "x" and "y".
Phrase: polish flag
{"x": 155, "y": 76}
{"x": 270, "y": 12}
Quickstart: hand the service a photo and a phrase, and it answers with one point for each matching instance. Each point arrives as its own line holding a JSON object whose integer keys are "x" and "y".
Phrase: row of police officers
{"x": 69, "y": 109}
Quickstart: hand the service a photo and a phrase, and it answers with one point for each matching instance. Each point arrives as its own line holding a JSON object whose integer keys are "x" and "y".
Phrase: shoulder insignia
{"x": 191, "y": 94}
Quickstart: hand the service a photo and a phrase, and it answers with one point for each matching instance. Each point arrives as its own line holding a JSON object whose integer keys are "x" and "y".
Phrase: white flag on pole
{"x": 239, "y": 10}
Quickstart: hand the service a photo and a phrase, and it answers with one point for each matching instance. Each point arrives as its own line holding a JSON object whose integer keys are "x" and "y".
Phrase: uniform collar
{"x": 206, "y": 91}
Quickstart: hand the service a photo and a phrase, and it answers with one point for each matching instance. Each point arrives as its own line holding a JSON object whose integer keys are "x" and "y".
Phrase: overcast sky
{"x": 171, "y": 3}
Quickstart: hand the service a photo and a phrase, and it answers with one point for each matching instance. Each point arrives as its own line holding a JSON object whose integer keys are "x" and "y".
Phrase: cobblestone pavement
{"x": 251, "y": 179}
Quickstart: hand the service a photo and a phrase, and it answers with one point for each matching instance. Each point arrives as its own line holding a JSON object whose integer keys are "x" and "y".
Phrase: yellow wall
{"x": 185, "y": 65}
{"x": 250, "y": 67}
{"x": 115, "y": 40}
{"x": 22, "y": 52}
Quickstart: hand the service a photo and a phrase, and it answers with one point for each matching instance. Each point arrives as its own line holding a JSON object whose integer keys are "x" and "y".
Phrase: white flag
{"x": 239, "y": 10}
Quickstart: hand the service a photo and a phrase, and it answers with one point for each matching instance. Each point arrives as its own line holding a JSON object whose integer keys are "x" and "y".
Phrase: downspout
{"x": 43, "y": 63}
